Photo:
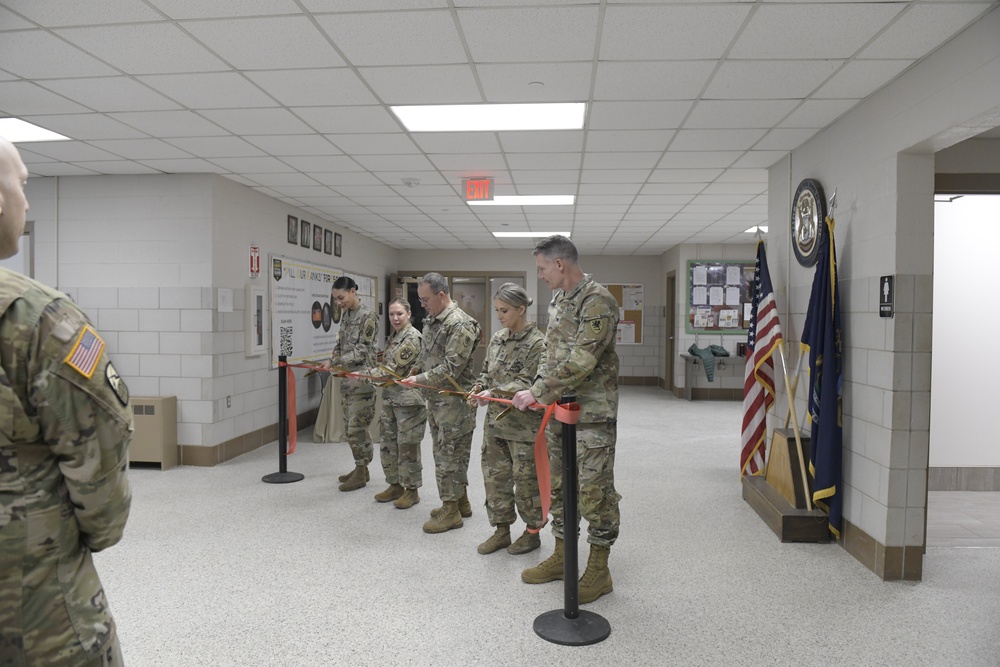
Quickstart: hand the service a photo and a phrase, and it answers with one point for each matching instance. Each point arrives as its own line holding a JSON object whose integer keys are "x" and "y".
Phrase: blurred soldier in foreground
{"x": 580, "y": 360}
{"x": 65, "y": 425}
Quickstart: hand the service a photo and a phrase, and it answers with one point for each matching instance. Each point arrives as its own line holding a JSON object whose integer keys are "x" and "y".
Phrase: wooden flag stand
{"x": 782, "y": 498}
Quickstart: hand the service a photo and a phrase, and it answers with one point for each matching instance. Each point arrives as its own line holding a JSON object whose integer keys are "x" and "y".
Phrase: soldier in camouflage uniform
{"x": 404, "y": 415}
{"x": 508, "y": 455}
{"x": 355, "y": 351}
{"x": 450, "y": 338}
{"x": 580, "y": 360}
{"x": 65, "y": 425}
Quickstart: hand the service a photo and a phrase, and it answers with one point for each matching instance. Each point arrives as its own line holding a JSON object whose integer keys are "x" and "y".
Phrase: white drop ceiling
{"x": 688, "y": 103}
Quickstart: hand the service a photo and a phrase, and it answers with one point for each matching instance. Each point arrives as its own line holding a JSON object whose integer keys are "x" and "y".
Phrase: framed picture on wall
{"x": 317, "y": 238}
{"x": 305, "y": 237}
{"x": 338, "y": 242}
{"x": 293, "y": 230}
{"x": 328, "y": 241}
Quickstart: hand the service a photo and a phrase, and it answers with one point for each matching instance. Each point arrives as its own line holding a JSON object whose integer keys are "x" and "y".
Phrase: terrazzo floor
{"x": 218, "y": 568}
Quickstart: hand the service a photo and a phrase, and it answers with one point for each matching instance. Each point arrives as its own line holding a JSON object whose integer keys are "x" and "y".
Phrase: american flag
{"x": 763, "y": 336}
{"x": 87, "y": 352}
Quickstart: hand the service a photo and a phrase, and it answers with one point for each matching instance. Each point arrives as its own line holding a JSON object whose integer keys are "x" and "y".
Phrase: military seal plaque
{"x": 808, "y": 221}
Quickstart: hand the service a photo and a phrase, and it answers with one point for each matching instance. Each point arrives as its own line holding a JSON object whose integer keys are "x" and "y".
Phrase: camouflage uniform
{"x": 450, "y": 339}
{"x": 404, "y": 415}
{"x": 508, "y": 455}
{"x": 355, "y": 351}
{"x": 63, "y": 487}
{"x": 580, "y": 360}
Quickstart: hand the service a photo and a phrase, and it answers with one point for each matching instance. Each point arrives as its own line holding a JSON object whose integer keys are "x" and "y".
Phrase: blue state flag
{"x": 822, "y": 335}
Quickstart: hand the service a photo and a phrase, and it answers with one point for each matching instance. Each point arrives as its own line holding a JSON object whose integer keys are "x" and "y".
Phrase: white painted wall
{"x": 880, "y": 160}
{"x": 966, "y": 235}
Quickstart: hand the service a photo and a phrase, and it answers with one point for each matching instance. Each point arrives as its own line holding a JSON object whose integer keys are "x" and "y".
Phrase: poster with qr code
{"x": 304, "y": 317}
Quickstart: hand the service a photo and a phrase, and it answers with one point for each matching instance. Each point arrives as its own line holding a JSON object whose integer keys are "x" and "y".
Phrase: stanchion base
{"x": 283, "y": 477}
{"x": 587, "y": 628}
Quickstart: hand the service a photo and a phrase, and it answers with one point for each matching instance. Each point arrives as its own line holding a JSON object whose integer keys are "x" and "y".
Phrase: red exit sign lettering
{"x": 478, "y": 189}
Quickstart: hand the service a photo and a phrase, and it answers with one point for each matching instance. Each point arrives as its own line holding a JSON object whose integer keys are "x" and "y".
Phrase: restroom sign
{"x": 885, "y": 296}
{"x": 254, "y": 261}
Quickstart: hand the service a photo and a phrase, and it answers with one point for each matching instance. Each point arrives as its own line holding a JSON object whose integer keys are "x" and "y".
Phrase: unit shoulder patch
{"x": 117, "y": 384}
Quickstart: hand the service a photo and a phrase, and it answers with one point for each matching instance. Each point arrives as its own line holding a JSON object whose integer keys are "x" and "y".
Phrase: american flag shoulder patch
{"x": 86, "y": 352}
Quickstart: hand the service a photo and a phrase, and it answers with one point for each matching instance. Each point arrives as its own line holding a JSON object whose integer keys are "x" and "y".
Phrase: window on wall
{"x": 23, "y": 262}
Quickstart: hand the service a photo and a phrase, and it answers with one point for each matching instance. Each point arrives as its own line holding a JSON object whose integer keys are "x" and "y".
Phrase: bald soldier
{"x": 579, "y": 359}
{"x": 450, "y": 339}
{"x": 65, "y": 425}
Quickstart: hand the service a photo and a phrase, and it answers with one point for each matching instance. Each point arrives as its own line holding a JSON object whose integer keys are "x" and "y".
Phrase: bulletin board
{"x": 304, "y": 318}
{"x": 629, "y": 298}
{"x": 719, "y": 296}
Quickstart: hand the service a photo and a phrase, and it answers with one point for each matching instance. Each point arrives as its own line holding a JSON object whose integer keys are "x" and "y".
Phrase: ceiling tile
{"x": 19, "y": 55}
{"x": 698, "y": 159}
{"x": 527, "y": 34}
{"x": 216, "y": 147}
{"x": 373, "y": 144}
{"x": 769, "y": 79}
{"x": 786, "y": 140}
{"x": 266, "y": 43}
{"x": 369, "y": 5}
{"x": 629, "y": 160}
{"x": 20, "y": 98}
{"x": 116, "y": 93}
{"x": 117, "y": 167}
{"x": 72, "y": 151}
{"x": 338, "y": 86}
{"x": 214, "y": 90}
{"x": 532, "y": 142}
{"x": 141, "y": 149}
{"x": 861, "y": 78}
{"x": 527, "y": 161}
{"x": 257, "y": 121}
{"x": 683, "y": 175}
{"x": 788, "y": 31}
{"x": 396, "y": 38}
{"x": 757, "y": 159}
{"x": 628, "y": 140}
{"x": 182, "y": 166}
{"x": 818, "y": 114}
{"x": 468, "y": 162}
{"x": 716, "y": 140}
{"x": 71, "y": 12}
{"x": 535, "y": 82}
{"x": 86, "y": 126}
{"x": 199, "y": 9}
{"x": 428, "y": 84}
{"x": 551, "y": 176}
{"x": 11, "y": 21}
{"x": 708, "y": 114}
{"x": 923, "y": 26}
{"x": 744, "y": 176}
{"x": 614, "y": 175}
{"x": 360, "y": 119}
{"x": 638, "y": 32}
{"x": 675, "y": 80}
{"x": 457, "y": 142}
{"x": 170, "y": 123}
{"x": 395, "y": 162}
{"x": 252, "y": 165}
{"x": 145, "y": 48}
{"x": 637, "y": 115}
{"x": 282, "y": 145}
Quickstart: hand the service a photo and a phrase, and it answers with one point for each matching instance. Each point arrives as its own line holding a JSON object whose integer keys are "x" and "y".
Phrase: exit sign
{"x": 478, "y": 189}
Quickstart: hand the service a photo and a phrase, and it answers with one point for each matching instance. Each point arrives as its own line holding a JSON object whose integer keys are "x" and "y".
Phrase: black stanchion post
{"x": 282, "y": 476}
{"x": 570, "y": 626}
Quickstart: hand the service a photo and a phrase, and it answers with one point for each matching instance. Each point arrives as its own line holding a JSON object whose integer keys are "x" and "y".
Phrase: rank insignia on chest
{"x": 86, "y": 352}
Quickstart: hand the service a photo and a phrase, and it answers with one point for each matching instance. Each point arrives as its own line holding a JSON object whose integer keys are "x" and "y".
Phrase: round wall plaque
{"x": 808, "y": 221}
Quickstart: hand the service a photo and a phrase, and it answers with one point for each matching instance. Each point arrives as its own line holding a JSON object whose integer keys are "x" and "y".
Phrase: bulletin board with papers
{"x": 629, "y": 299}
{"x": 719, "y": 296}
{"x": 304, "y": 318}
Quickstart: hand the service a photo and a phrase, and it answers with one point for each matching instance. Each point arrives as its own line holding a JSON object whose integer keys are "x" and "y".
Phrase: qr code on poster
{"x": 286, "y": 341}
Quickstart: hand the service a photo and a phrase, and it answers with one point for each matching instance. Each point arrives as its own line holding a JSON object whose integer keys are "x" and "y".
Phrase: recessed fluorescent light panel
{"x": 754, "y": 230}
{"x": 491, "y": 117}
{"x": 16, "y": 131}
{"x": 527, "y": 235}
{"x": 526, "y": 200}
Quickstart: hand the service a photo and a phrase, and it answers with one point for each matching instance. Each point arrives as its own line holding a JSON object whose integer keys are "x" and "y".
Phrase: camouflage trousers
{"x": 511, "y": 480}
{"x": 595, "y": 464}
{"x": 359, "y": 412}
{"x": 452, "y": 422}
{"x": 402, "y": 431}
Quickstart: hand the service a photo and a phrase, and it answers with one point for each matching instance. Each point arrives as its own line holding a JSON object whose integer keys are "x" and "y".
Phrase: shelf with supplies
{"x": 726, "y": 385}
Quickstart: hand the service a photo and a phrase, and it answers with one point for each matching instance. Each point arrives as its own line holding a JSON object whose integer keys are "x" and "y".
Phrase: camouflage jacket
{"x": 65, "y": 425}
{"x": 401, "y": 354}
{"x": 450, "y": 339}
{"x": 511, "y": 365}
{"x": 580, "y": 355}
{"x": 355, "y": 347}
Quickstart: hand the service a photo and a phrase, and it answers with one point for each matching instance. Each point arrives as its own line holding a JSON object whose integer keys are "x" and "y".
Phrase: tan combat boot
{"x": 527, "y": 543}
{"x": 409, "y": 498}
{"x": 596, "y": 579}
{"x": 356, "y": 479}
{"x": 549, "y": 569}
{"x": 343, "y": 478}
{"x": 464, "y": 506}
{"x": 392, "y": 493}
{"x": 446, "y": 519}
{"x": 497, "y": 541}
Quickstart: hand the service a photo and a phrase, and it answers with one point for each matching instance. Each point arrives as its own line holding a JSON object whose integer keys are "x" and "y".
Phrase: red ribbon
{"x": 568, "y": 413}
